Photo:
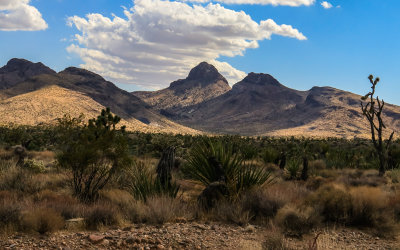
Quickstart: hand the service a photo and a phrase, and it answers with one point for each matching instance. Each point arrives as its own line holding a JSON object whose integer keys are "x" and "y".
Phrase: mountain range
{"x": 32, "y": 93}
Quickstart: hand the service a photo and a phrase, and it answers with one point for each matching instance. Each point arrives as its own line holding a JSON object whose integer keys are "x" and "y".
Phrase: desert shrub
{"x": 264, "y": 203}
{"x": 201, "y": 166}
{"x": 34, "y": 166}
{"x": 316, "y": 166}
{"x": 394, "y": 175}
{"x": 232, "y": 212}
{"x": 274, "y": 240}
{"x": 270, "y": 155}
{"x": 293, "y": 168}
{"x": 101, "y": 215}
{"x": 297, "y": 221}
{"x": 394, "y": 204}
{"x": 316, "y": 182}
{"x": 248, "y": 151}
{"x": 5, "y": 165}
{"x": 332, "y": 202}
{"x": 20, "y": 180}
{"x": 162, "y": 209}
{"x": 142, "y": 183}
{"x": 42, "y": 220}
{"x": 370, "y": 209}
{"x": 64, "y": 204}
{"x": 94, "y": 152}
{"x": 10, "y": 212}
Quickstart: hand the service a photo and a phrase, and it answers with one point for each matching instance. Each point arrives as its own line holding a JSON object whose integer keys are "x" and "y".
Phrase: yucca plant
{"x": 293, "y": 167}
{"x": 238, "y": 175}
{"x": 142, "y": 183}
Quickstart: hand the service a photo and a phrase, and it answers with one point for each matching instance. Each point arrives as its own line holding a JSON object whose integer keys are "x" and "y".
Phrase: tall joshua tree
{"x": 372, "y": 110}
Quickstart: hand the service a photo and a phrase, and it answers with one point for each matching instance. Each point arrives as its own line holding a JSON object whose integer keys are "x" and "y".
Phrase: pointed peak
{"x": 204, "y": 72}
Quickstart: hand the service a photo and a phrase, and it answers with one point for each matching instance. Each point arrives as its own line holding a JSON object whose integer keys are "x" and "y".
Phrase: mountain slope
{"x": 122, "y": 103}
{"x": 203, "y": 83}
{"x": 45, "y": 105}
{"x": 260, "y": 105}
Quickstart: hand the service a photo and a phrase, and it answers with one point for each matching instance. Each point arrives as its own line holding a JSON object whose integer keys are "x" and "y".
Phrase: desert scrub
{"x": 209, "y": 160}
{"x": 102, "y": 215}
{"x": 42, "y": 220}
{"x": 162, "y": 209}
{"x": 10, "y": 212}
{"x": 297, "y": 221}
{"x": 333, "y": 202}
{"x": 141, "y": 181}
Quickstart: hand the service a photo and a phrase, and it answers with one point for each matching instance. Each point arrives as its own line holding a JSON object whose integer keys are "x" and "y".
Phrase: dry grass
{"x": 42, "y": 220}
{"x": 296, "y": 221}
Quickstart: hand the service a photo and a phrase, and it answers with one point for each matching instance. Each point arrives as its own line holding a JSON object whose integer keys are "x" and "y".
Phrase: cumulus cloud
{"x": 19, "y": 15}
{"x": 326, "y": 5}
{"x": 157, "y": 42}
{"x": 293, "y": 3}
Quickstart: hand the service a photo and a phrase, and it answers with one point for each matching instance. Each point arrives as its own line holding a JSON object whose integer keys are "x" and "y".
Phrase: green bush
{"x": 270, "y": 155}
{"x": 142, "y": 183}
{"x": 34, "y": 166}
{"x": 238, "y": 175}
{"x": 94, "y": 152}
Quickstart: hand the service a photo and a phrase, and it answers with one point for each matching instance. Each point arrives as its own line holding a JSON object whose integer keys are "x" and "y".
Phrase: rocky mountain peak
{"x": 83, "y": 73}
{"x": 205, "y": 72}
{"x": 26, "y": 67}
{"x": 261, "y": 79}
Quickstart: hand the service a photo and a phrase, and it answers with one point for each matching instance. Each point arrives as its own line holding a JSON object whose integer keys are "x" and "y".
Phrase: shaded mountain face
{"x": 103, "y": 92}
{"x": 18, "y": 70}
{"x": 260, "y": 105}
{"x": 203, "y": 83}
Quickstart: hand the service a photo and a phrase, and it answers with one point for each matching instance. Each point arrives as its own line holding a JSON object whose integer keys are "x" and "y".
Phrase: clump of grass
{"x": 370, "y": 209}
{"x": 101, "y": 215}
{"x": 64, "y": 204}
{"x": 275, "y": 240}
{"x": 264, "y": 203}
{"x": 296, "y": 221}
{"x": 162, "y": 209}
{"x": 142, "y": 183}
{"x": 19, "y": 180}
{"x": 332, "y": 202}
{"x": 231, "y": 212}
{"x": 42, "y": 220}
{"x": 10, "y": 213}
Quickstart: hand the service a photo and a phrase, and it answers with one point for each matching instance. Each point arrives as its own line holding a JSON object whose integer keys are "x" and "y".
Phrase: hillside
{"x": 260, "y": 105}
{"x": 203, "y": 83}
{"x": 90, "y": 85}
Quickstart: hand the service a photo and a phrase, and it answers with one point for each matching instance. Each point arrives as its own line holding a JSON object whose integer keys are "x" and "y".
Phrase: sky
{"x": 147, "y": 44}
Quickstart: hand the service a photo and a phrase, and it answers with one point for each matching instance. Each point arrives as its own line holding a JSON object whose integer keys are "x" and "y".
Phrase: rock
{"x": 159, "y": 246}
{"x": 95, "y": 239}
{"x": 131, "y": 240}
{"x": 249, "y": 229}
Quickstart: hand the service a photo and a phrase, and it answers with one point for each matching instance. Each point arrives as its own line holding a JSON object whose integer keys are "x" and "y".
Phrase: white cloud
{"x": 293, "y": 3}
{"x": 19, "y": 15}
{"x": 326, "y": 5}
{"x": 160, "y": 41}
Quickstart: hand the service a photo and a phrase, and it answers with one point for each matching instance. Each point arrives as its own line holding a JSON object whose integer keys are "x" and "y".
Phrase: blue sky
{"x": 344, "y": 44}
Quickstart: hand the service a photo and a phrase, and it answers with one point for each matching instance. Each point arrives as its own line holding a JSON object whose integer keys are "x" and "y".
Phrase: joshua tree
{"x": 374, "y": 116}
